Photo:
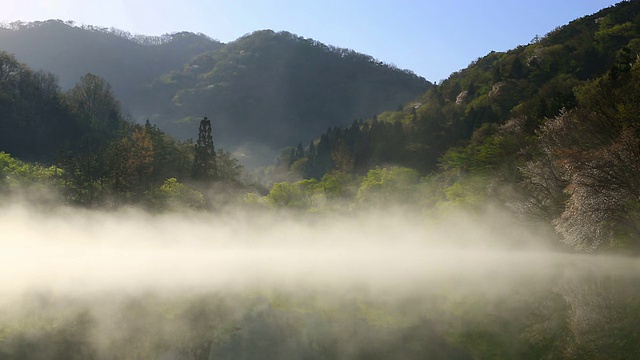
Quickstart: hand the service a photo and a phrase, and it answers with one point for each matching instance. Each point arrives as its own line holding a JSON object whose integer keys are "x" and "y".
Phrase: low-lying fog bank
{"x": 381, "y": 284}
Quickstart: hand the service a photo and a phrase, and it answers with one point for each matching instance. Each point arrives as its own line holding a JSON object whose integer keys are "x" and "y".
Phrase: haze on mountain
{"x": 265, "y": 88}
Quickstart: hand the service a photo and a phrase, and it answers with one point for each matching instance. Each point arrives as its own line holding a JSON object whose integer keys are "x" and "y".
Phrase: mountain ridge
{"x": 264, "y": 88}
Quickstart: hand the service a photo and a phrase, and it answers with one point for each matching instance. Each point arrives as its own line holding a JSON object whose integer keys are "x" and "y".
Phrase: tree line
{"x": 548, "y": 130}
{"x": 98, "y": 156}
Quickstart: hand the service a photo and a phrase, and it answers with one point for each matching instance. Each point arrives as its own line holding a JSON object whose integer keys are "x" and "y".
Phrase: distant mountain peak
{"x": 56, "y": 24}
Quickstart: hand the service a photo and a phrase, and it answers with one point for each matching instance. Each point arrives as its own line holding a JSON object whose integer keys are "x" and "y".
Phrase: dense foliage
{"x": 555, "y": 121}
{"x": 35, "y": 122}
{"x": 98, "y": 157}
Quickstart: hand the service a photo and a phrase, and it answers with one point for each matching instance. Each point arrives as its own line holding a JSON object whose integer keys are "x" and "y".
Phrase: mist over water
{"x": 401, "y": 264}
{"x": 77, "y": 251}
{"x": 72, "y": 250}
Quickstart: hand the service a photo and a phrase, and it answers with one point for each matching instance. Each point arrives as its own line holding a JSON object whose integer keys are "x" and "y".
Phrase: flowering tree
{"x": 586, "y": 177}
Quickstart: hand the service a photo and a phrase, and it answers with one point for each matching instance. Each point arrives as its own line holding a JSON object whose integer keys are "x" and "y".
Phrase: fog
{"x": 72, "y": 250}
{"x": 85, "y": 260}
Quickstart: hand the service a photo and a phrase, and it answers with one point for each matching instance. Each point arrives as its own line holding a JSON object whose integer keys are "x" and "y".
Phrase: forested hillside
{"x": 555, "y": 121}
{"x": 265, "y": 89}
{"x": 531, "y": 83}
{"x": 274, "y": 88}
{"x": 82, "y": 147}
{"x": 128, "y": 62}
{"x": 547, "y": 129}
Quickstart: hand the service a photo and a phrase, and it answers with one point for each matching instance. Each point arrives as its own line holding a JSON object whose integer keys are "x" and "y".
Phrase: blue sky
{"x": 433, "y": 38}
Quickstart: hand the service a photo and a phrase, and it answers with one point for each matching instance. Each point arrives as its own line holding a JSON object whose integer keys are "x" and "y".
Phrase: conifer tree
{"x": 204, "y": 161}
{"x": 311, "y": 153}
{"x": 299, "y": 152}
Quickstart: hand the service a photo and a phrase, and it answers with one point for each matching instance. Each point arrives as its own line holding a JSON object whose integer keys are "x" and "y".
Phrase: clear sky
{"x": 433, "y": 38}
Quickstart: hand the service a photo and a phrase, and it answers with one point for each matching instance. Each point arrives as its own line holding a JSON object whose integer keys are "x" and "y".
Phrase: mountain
{"x": 524, "y": 86}
{"x": 549, "y": 130}
{"x": 127, "y": 62}
{"x": 265, "y": 88}
{"x": 274, "y": 88}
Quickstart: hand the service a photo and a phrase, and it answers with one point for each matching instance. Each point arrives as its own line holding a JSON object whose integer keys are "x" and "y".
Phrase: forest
{"x": 493, "y": 215}
{"x": 263, "y": 91}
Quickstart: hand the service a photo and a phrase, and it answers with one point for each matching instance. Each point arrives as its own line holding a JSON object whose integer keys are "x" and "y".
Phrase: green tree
{"x": 16, "y": 174}
{"x": 204, "y": 161}
{"x": 388, "y": 186}
{"x": 284, "y": 194}
{"x": 35, "y": 121}
{"x": 132, "y": 163}
{"x": 229, "y": 168}
{"x": 341, "y": 157}
{"x": 173, "y": 194}
{"x": 299, "y": 154}
{"x": 331, "y": 186}
{"x": 86, "y": 175}
{"x": 171, "y": 158}
{"x": 94, "y": 102}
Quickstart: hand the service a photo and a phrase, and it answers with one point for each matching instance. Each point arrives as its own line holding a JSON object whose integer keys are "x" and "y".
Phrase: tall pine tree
{"x": 204, "y": 160}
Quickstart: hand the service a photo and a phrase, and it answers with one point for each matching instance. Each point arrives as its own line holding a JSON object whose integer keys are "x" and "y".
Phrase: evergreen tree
{"x": 311, "y": 154}
{"x": 299, "y": 152}
{"x": 471, "y": 92}
{"x": 517, "y": 70}
{"x": 204, "y": 161}
{"x": 292, "y": 156}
